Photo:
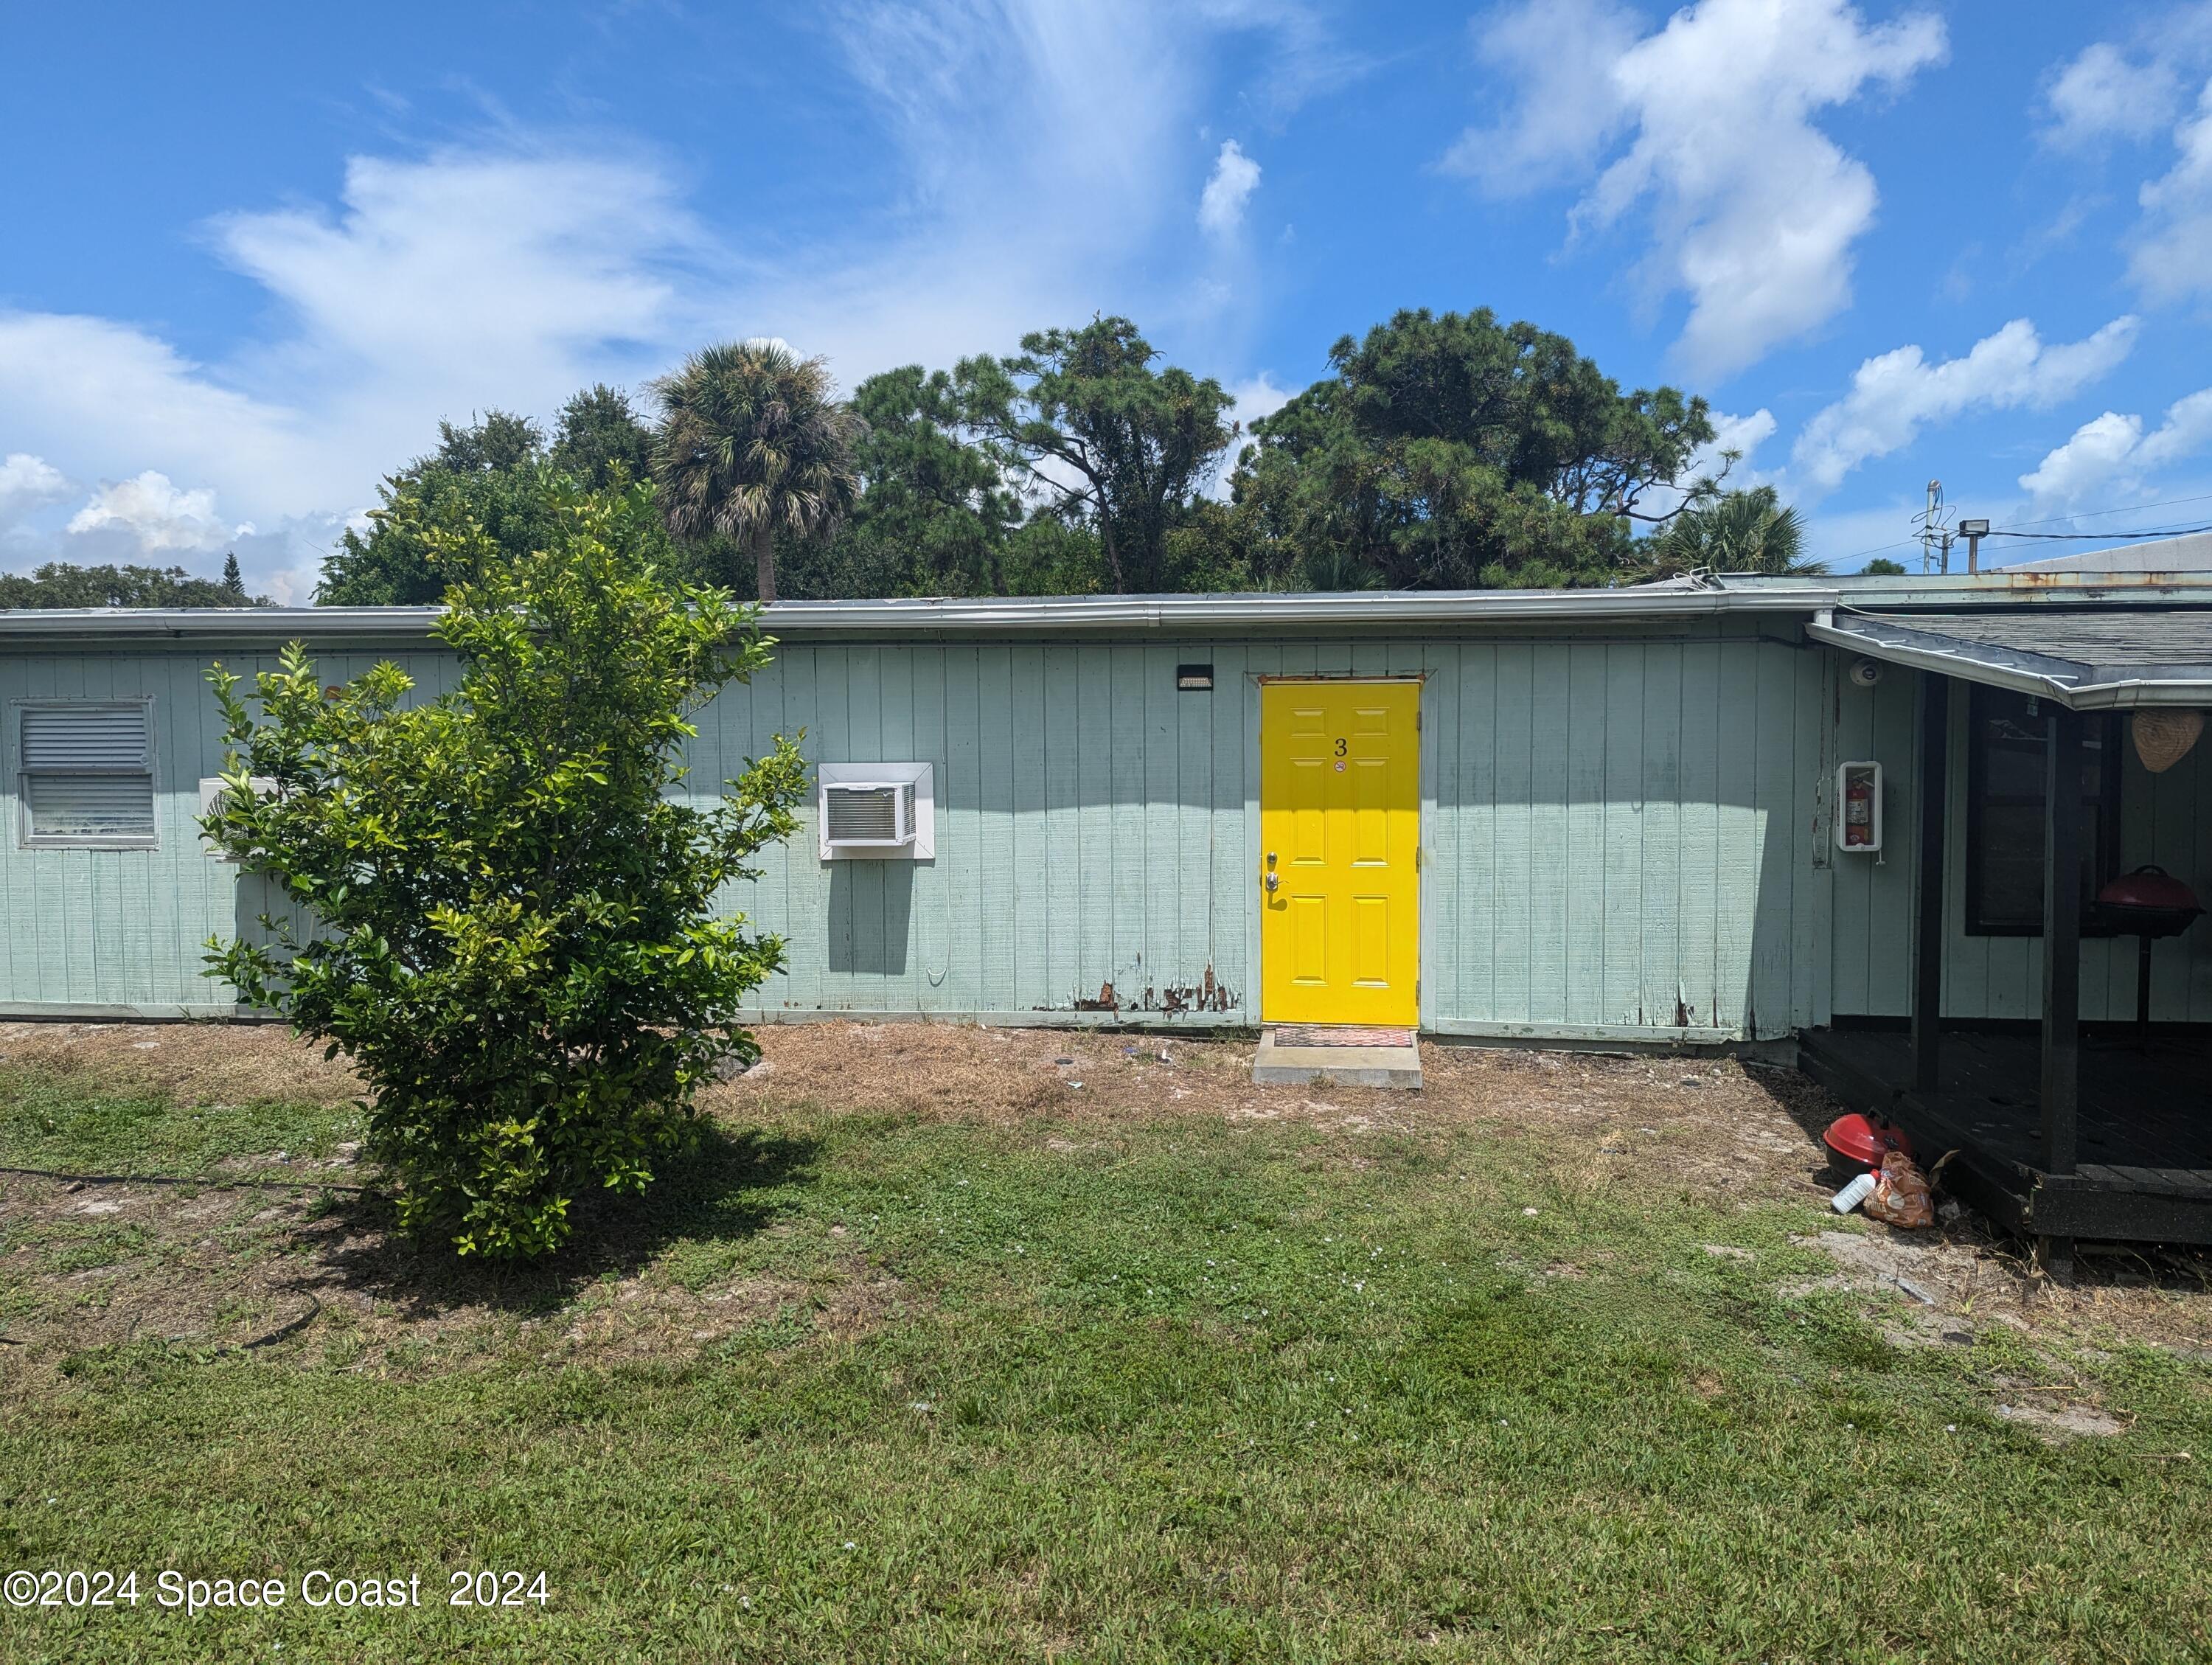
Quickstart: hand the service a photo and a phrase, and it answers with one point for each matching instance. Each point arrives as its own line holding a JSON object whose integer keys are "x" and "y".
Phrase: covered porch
{"x": 2059, "y": 1133}
{"x": 2142, "y": 1121}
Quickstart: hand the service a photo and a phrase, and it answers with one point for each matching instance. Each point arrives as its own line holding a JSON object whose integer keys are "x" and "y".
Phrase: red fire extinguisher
{"x": 1859, "y": 828}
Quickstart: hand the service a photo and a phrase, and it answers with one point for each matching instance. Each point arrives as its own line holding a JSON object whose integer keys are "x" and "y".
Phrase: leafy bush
{"x": 513, "y": 931}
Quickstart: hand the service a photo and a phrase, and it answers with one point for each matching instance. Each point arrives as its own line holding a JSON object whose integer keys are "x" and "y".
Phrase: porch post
{"x": 2062, "y": 938}
{"x": 1928, "y": 927}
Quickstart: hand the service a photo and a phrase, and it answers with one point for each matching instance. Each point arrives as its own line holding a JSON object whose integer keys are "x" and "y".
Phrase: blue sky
{"x": 254, "y": 253}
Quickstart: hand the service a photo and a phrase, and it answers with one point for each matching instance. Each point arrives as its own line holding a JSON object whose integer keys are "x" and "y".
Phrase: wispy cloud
{"x": 1221, "y": 204}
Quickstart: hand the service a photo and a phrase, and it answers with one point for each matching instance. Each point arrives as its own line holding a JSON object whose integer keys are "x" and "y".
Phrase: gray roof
{"x": 2090, "y": 658}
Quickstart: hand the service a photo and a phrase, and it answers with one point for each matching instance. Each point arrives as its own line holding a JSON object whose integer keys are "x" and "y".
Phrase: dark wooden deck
{"x": 2144, "y": 1170}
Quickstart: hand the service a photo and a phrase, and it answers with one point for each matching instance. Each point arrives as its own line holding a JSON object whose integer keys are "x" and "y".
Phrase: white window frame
{"x": 921, "y": 847}
{"x": 25, "y": 838}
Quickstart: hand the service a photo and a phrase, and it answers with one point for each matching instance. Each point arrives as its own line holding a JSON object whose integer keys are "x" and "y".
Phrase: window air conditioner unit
{"x": 868, "y": 812}
{"x": 884, "y": 812}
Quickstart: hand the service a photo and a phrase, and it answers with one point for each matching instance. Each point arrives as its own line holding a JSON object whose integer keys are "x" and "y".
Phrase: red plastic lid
{"x": 1862, "y": 1140}
{"x": 2149, "y": 887}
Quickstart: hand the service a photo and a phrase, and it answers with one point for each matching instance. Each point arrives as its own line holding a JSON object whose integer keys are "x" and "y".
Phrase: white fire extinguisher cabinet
{"x": 1858, "y": 808}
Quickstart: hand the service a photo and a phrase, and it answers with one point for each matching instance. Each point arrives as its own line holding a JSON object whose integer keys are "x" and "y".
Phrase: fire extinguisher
{"x": 1859, "y": 791}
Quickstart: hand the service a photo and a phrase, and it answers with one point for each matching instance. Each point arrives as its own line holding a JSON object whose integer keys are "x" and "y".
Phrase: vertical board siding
{"x": 1617, "y": 833}
{"x": 2164, "y": 818}
{"x": 128, "y": 927}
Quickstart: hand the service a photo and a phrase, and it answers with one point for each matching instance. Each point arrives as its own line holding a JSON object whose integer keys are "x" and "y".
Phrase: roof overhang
{"x": 1354, "y": 613}
{"x": 2074, "y": 683}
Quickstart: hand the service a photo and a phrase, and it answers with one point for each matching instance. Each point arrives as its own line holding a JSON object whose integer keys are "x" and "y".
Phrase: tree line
{"x": 1440, "y": 452}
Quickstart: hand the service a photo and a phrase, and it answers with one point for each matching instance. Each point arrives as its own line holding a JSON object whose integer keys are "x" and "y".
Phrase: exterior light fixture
{"x": 1973, "y": 532}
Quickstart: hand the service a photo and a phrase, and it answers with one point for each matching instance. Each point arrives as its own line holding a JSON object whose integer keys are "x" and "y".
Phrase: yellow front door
{"x": 1339, "y": 832}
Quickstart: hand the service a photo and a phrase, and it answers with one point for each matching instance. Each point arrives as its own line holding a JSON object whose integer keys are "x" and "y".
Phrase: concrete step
{"x": 1367, "y": 1065}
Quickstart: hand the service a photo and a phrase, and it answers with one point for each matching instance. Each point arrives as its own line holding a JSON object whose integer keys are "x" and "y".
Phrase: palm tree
{"x": 753, "y": 440}
{"x": 1738, "y": 532}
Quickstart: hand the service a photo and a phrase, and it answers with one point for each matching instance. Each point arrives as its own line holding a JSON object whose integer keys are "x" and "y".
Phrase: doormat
{"x": 1339, "y": 1034}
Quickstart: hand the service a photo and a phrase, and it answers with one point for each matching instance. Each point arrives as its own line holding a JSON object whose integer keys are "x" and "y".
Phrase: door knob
{"x": 1272, "y": 879}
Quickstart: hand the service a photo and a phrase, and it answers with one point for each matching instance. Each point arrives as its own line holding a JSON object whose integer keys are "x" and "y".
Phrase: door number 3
{"x": 1339, "y": 746}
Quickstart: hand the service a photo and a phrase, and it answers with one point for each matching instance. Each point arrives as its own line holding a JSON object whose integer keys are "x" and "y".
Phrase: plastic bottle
{"x": 1852, "y": 1194}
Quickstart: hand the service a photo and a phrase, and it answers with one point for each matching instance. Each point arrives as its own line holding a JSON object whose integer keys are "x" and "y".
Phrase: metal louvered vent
{"x": 77, "y": 737}
{"x": 87, "y": 774}
{"x": 873, "y": 813}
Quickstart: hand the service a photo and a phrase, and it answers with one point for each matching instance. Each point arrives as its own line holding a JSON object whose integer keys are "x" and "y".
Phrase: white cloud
{"x": 1894, "y": 396}
{"x": 1566, "y": 108}
{"x": 2112, "y": 454}
{"x": 1236, "y": 177}
{"x": 2099, "y": 450}
{"x": 2132, "y": 90}
{"x": 1039, "y": 155}
{"x": 1754, "y": 210}
{"x": 1741, "y": 434}
{"x": 1254, "y": 399}
{"x": 29, "y": 482}
{"x": 2174, "y": 245}
{"x": 155, "y": 517}
{"x": 2113, "y": 91}
{"x": 1257, "y": 398}
{"x": 2101, "y": 94}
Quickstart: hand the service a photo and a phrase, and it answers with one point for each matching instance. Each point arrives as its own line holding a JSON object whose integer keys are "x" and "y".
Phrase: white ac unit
{"x": 883, "y": 812}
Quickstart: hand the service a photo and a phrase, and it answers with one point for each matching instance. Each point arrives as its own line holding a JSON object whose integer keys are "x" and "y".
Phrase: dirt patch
{"x": 1716, "y": 1128}
{"x": 208, "y": 1063}
{"x": 2057, "y": 1423}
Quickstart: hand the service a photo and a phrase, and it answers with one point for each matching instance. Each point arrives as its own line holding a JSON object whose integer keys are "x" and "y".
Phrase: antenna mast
{"x": 1935, "y": 533}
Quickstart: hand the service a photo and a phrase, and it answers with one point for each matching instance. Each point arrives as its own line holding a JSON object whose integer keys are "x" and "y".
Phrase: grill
{"x": 2146, "y": 904}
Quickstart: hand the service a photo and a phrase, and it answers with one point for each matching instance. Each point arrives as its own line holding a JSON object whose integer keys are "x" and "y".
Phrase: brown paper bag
{"x": 1900, "y": 1194}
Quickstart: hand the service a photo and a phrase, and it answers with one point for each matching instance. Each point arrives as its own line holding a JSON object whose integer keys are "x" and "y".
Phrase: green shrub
{"x": 512, "y": 927}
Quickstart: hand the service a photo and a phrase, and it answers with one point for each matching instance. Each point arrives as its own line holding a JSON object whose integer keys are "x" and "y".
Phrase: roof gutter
{"x": 1044, "y": 615}
{"x": 1333, "y": 611}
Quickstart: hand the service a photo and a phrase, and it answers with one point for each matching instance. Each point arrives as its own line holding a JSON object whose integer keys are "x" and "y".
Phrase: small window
{"x": 880, "y": 812}
{"x": 85, "y": 773}
{"x": 2006, "y": 762}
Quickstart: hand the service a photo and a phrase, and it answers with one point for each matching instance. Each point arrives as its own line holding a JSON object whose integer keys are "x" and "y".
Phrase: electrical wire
{"x": 2099, "y": 536}
{"x": 2098, "y": 514}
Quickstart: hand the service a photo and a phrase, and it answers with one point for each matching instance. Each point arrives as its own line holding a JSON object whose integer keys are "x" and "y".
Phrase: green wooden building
{"x": 1631, "y": 818}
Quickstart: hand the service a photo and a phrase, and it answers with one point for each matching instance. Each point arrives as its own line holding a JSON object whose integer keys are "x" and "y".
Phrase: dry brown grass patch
{"x": 208, "y": 1063}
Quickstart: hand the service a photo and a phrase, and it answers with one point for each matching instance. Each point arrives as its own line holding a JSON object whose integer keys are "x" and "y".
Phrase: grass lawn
{"x": 985, "y": 1365}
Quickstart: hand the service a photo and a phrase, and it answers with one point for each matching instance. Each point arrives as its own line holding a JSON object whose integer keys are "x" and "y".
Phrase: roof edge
{"x": 1931, "y": 650}
{"x": 1025, "y": 615}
